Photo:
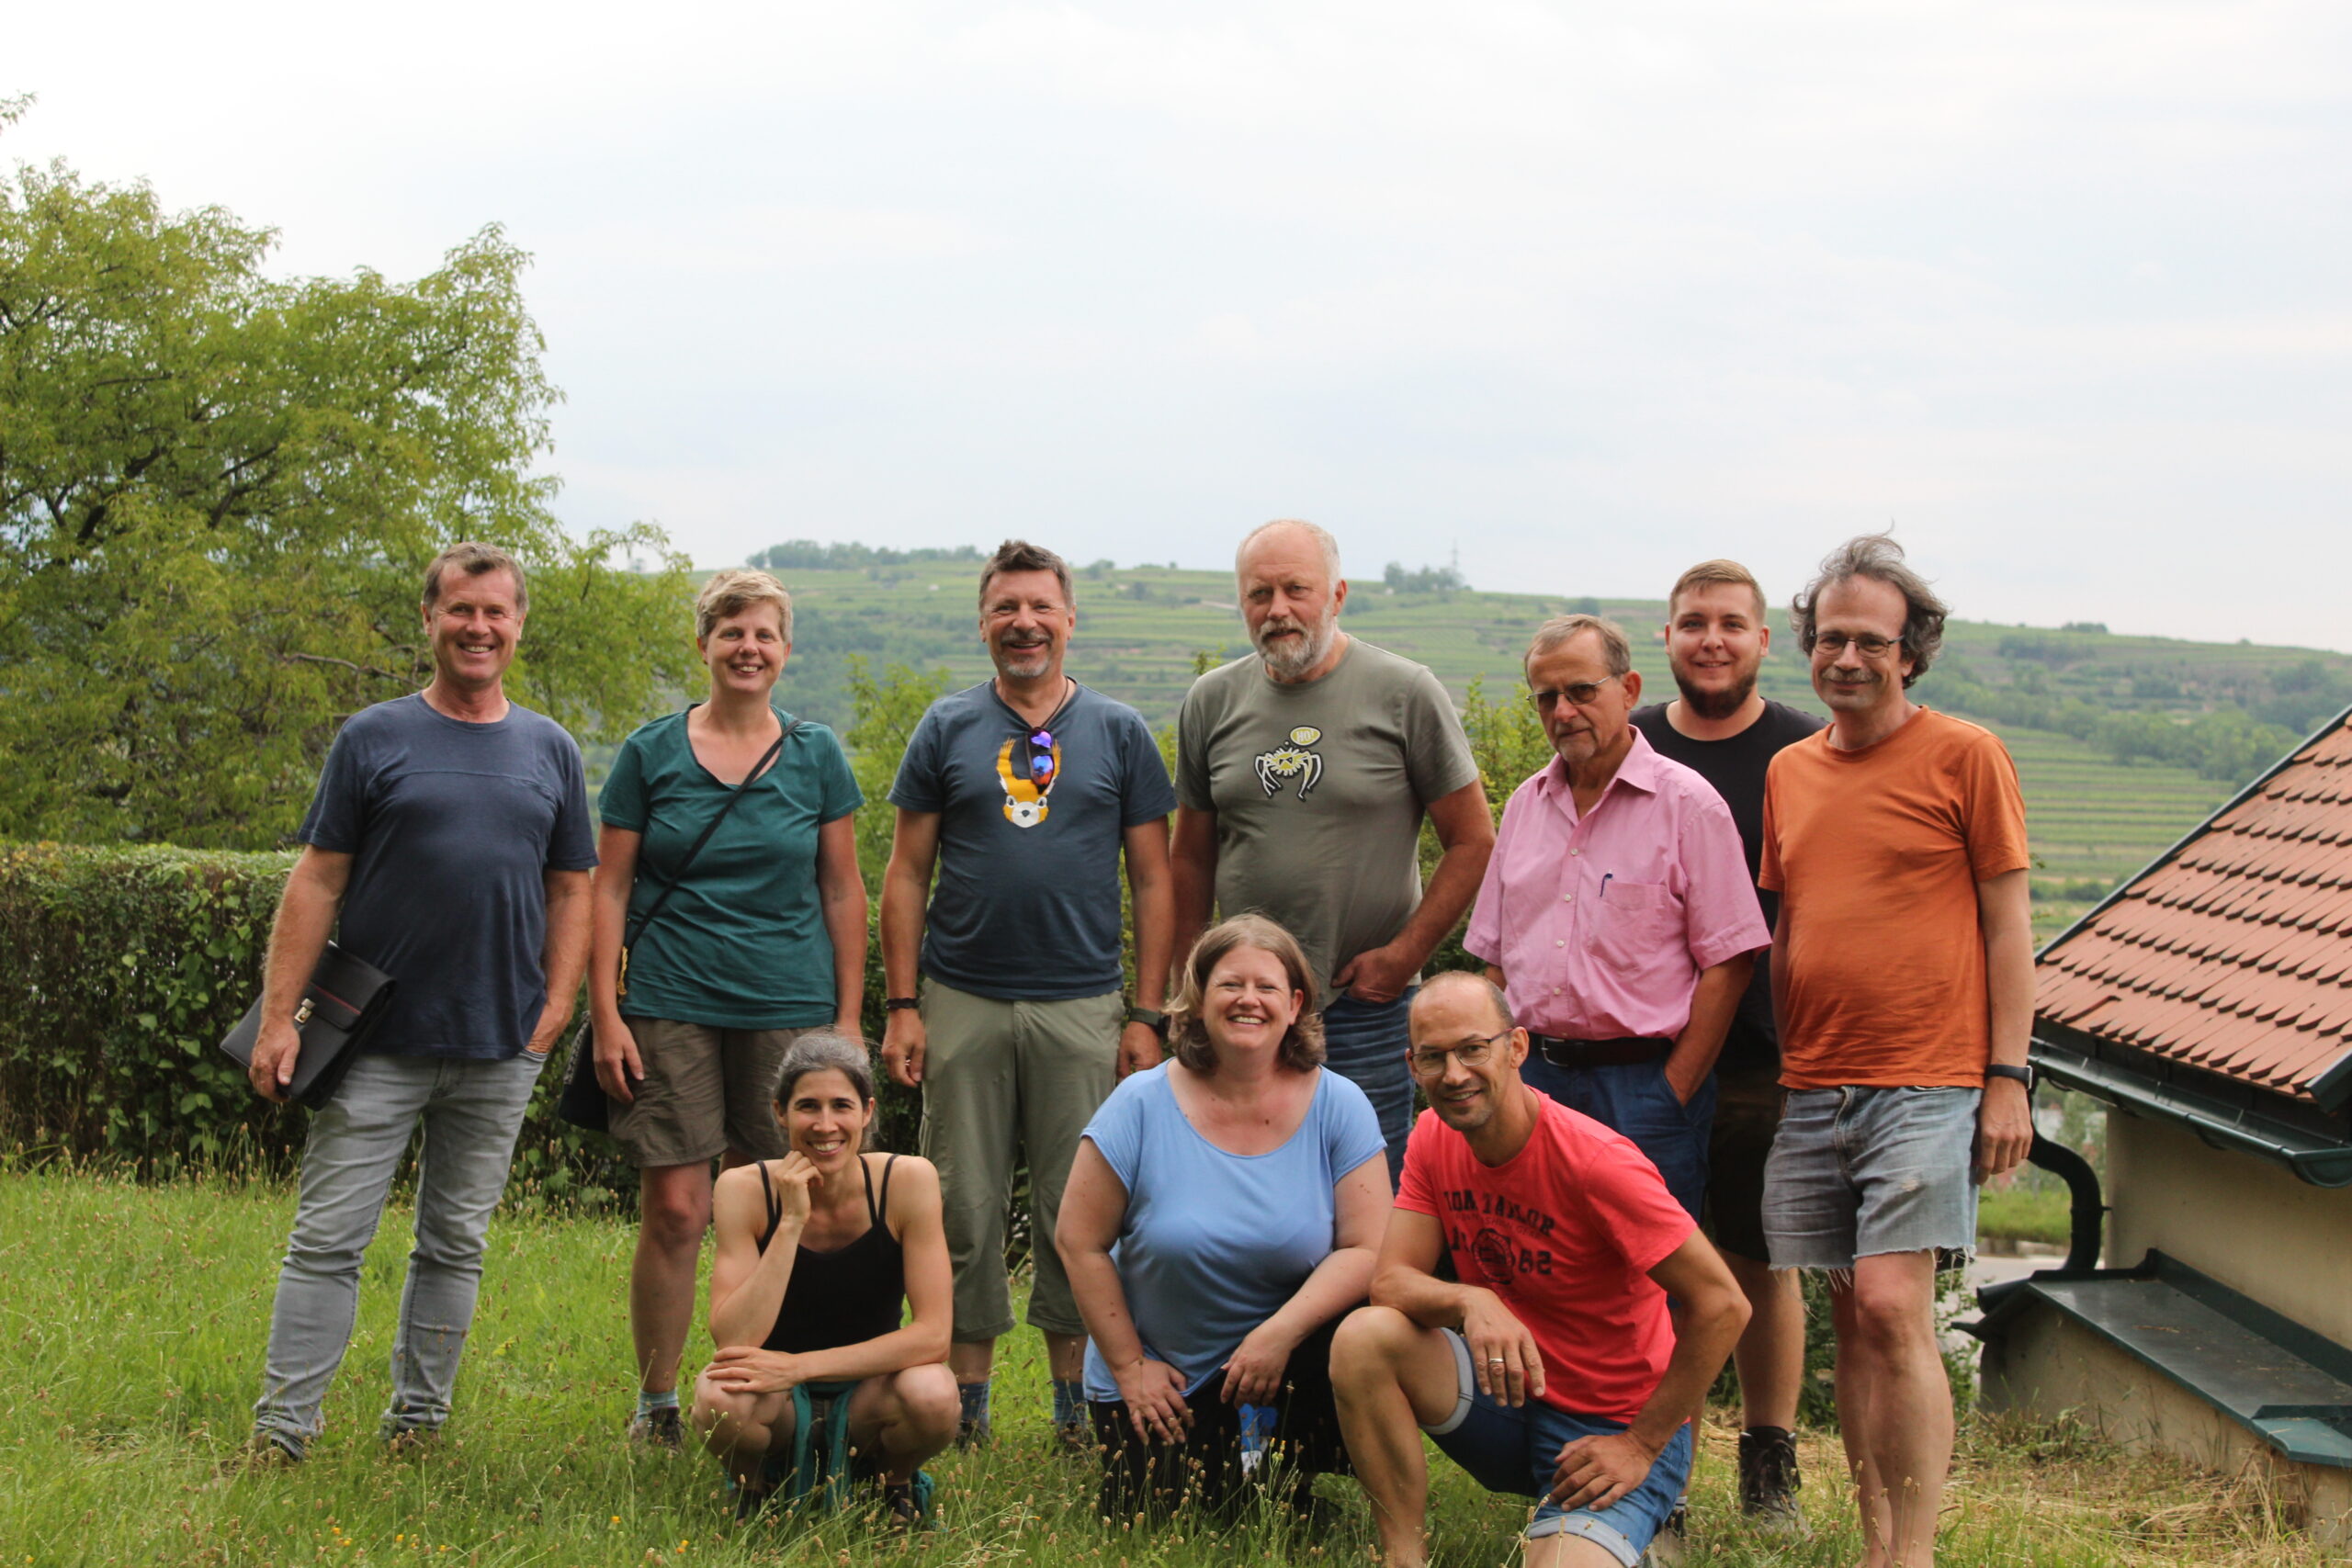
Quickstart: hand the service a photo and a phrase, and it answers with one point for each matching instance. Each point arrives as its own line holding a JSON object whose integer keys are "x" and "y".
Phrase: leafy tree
{"x": 1428, "y": 580}
{"x": 887, "y": 711}
{"x": 1507, "y": 738}
{"x": 218, "y": 491}
{"x": 807, "y": 554}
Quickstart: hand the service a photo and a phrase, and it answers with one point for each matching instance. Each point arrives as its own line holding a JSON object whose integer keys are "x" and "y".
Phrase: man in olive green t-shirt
{"x": 1303, "y": 772}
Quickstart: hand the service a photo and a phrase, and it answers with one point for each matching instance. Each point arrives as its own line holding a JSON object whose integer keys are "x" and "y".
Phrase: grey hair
{"x": 1615, "y": 650}
{"x": 1879, "y": 558}
{"x": 824, "y": 1050}
{"x": 1472, "y": 978}
{"x": 1320, "y": 534}
{"x": 474, "y": 559}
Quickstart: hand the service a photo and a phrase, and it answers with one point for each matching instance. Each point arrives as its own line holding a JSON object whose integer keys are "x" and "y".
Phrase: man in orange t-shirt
{"x": 1903, "y": 980}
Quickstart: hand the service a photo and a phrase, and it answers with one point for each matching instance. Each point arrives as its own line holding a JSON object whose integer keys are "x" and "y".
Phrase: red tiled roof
{"x": 2233, "y": 955}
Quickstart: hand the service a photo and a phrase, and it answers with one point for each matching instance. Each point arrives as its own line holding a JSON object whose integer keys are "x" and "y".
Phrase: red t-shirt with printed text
{"x": 1565, "y": 1231}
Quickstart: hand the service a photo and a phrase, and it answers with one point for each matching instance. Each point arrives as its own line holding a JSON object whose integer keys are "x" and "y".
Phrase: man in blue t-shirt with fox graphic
{"x": 1025, "y": 792}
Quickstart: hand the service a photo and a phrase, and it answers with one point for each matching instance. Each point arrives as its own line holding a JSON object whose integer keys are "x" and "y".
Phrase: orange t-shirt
{"x": 1876, "y": 854}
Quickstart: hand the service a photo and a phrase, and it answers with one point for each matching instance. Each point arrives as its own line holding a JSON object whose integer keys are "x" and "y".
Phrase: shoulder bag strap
{"x": 652, "y": 913}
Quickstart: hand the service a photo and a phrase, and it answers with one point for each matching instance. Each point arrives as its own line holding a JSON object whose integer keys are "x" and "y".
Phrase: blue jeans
{"x": 1365, "y": 1042}
{"x": 471, "y": 1111}
{"x": 1634, "y": 1099}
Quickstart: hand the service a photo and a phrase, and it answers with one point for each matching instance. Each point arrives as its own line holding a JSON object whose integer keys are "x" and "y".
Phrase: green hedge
{"x": 120, "y": 969}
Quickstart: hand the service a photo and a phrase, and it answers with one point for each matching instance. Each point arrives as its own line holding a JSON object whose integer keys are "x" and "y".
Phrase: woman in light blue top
{"x": 1221, "y": 1217}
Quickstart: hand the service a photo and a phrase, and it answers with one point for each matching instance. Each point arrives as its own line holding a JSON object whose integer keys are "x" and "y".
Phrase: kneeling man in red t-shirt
{"x": 1552, "y": 1370}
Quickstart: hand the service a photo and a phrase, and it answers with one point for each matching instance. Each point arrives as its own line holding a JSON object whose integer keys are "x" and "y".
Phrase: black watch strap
{"x": 2003, "y": 1070}
{"x": 1155, "y": 1021}
{"x": 899, "y": 1004}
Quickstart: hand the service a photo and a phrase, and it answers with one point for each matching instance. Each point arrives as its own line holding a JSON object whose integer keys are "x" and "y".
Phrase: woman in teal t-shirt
{"x": 762, "y": 940}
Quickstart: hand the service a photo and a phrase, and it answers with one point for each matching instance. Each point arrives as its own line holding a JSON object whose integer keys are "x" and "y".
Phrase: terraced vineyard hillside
{"x": 2123, "y": 742}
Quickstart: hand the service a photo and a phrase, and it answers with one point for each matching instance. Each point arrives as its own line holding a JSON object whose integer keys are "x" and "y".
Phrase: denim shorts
{"x": 1858, "y": 1172}
{"x": 1518, "y": 1450}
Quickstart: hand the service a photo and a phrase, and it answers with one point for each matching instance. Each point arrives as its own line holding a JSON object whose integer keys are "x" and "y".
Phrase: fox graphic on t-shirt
{"x": 1024, "y": 798}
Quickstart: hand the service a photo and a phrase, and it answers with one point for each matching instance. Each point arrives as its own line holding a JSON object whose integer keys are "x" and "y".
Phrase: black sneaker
{"x": 659, "y": 1428}
{"x": 1768, "y": 1482}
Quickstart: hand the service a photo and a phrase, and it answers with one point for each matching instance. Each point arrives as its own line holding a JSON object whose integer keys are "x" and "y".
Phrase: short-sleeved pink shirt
{"x": 1602, "y": 924}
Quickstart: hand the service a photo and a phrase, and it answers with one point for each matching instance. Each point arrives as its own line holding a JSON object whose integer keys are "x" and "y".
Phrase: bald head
{"x": 1287, "y": 530}
{"x": 1466, "y": 1054}
{"x": 1459, "y": 994}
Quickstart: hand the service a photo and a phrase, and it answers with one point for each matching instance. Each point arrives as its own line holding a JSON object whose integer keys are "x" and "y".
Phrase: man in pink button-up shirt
{"x": 1617, "y": 912}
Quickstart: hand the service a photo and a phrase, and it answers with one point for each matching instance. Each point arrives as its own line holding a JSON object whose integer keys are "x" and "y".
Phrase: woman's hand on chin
{"x": 1254, "y": 1374}
{"x": 1154, "y": 1392}
{"x": 747, "y": 1369}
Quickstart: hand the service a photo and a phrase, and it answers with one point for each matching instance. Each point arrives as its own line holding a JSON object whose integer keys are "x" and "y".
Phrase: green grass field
{"x": 134, "y": 1319}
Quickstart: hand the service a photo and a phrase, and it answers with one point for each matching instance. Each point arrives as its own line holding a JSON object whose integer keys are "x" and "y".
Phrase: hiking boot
{"x": 1075, "y": 1438}
{"x": 901, "y": 1515}
{"x": 658, "y": 1428}
{"x": 1768, "y": 1482}
{"x": 972, "y": 1434}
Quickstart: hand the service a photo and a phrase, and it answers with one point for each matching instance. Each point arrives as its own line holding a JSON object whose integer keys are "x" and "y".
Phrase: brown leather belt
{"x": 1600, "y": 1053}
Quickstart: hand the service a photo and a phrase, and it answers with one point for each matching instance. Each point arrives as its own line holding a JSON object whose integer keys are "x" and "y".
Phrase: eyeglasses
{"x": 1577, "y": 693}
{"x": 1430, "y": 1062}
{"x": 1041, "y": 756}
{"x": 1872, "y": 647}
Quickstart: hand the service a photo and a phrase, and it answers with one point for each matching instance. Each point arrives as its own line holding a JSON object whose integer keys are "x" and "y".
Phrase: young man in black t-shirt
{"x": 1721, "y": 728}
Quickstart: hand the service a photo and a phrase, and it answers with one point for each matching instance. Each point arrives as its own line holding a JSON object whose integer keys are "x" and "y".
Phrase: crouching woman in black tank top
{"x": 816, "y": 1253}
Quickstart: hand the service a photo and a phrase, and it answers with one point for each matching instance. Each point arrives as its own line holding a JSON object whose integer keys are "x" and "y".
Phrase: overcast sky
{"x": 2062, "y": 291}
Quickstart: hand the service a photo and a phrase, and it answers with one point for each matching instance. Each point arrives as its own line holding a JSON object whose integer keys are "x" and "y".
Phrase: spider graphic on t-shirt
{"x": 1294, "y": 760}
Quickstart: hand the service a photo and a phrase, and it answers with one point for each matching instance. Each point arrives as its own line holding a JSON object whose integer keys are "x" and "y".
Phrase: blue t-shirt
{"x": 742, "y": 943}
{"x": 452, "y": 827}
{"x": 1026, "y": 907}
{"x": 1214, "y": 1243}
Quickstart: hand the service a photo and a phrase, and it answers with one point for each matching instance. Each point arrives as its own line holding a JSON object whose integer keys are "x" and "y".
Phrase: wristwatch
{"x": 2003, "y": 1070}
{"x": 1155, "y": 1021}
{"x": 899, "y": 1004}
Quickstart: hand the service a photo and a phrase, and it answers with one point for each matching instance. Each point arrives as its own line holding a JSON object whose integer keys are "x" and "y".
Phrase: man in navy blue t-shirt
{"x": 451, "y": 835}
{"x": 1024, "y": 791}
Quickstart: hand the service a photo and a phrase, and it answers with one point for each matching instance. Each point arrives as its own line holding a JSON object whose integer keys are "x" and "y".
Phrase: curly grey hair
{"x": 1878, "y": 556}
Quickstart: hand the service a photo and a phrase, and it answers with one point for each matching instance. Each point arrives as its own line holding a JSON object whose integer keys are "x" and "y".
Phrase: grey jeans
{"x": 471, "y": 1111}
